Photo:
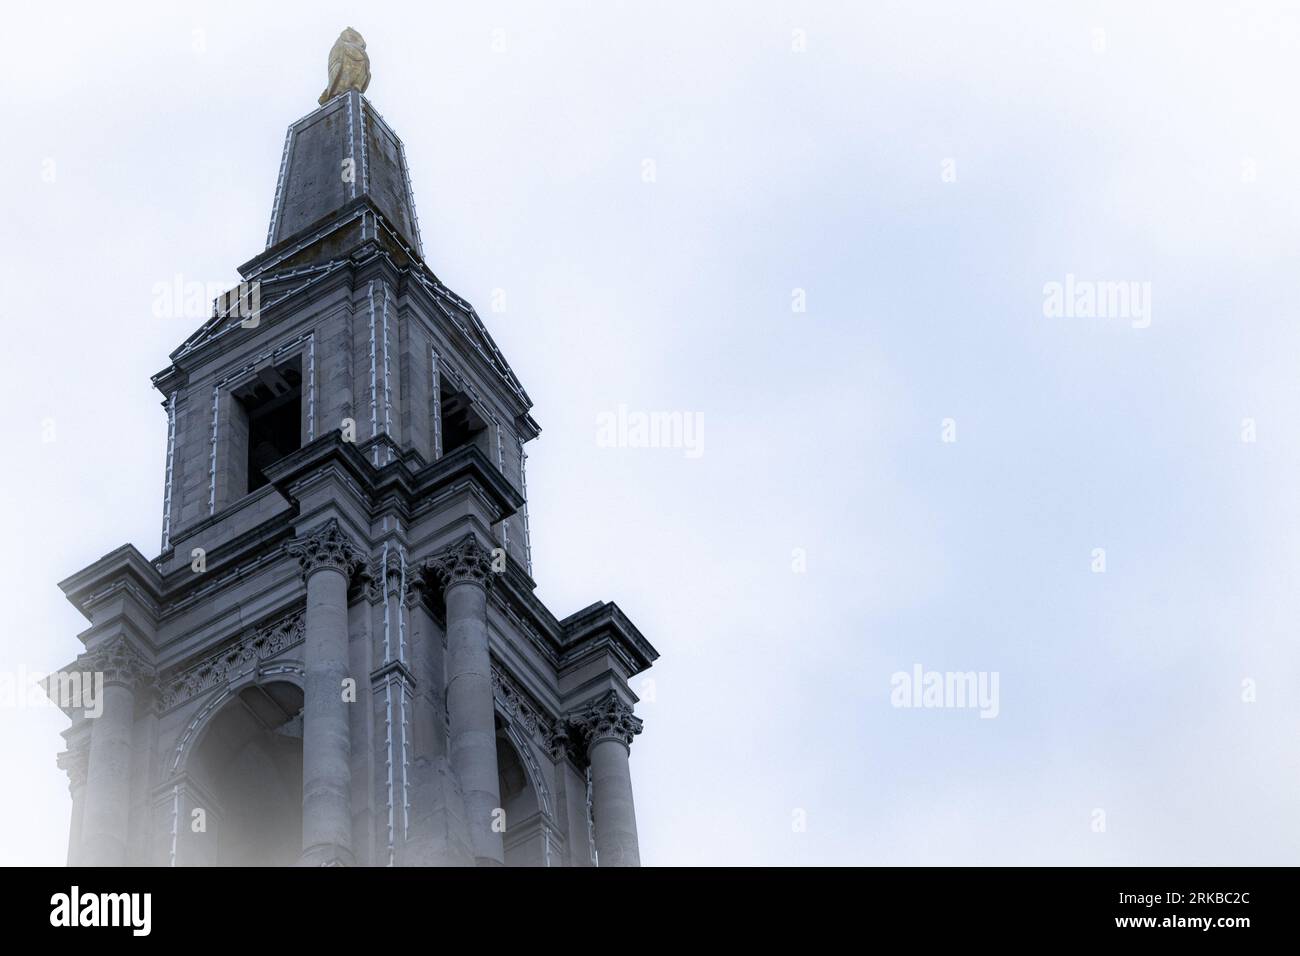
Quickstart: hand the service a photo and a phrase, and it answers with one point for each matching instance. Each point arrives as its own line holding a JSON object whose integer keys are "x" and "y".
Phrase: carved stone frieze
{"x": 216, "y": 669}
{"x": 522, "y": 712}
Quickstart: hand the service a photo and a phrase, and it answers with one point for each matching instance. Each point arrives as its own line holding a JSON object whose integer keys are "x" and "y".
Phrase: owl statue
{"x": 349, "y": 67}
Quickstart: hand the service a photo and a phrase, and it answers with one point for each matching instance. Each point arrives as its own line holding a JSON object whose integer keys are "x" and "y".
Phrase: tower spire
{"x": 343, "y": 178}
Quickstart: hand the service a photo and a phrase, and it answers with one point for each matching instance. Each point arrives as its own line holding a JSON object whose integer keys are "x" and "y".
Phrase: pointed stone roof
{"x": 332, "y": 156}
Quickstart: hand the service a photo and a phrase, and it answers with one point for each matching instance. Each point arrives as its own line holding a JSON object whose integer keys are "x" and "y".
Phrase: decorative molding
{"x": 561, "y": 745}
{"x": 521, "y": 711}
{"x": 591, "y": 822}
{"x": 405, "y": 583}
{"x": 74, "y": 762}
{"x": 388, "y": 392}
{"x": 120, "y": 663}
{"x": 504, "y": 605}
{"x": 120, "y": 586}
{"x": 279, "y": 186}
{"x": 326, "y": 547}
{"x": 352, "y": 149}
{"x": 383, "y": 577}
{"x": 374, "y": 381}
{"x": 523, "y": 489}
{"x": 533, "y": 769}
{"x": 415, "y": 589}
{"x": 217, "y": 669}
{"x": 466, "y": 561}
{"x": 237, "y": 573}
{"x": 170, "y": 472}
{"x": 609, "y": 718}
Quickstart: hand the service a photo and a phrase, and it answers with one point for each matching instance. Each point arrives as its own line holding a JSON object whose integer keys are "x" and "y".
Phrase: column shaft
{"x": 74, "y": 831}
{"x": 472, "y": 715}
{"x": 611, "y": 804}
{"x": 326, "y": 740}
{"x": 107, "y": 809}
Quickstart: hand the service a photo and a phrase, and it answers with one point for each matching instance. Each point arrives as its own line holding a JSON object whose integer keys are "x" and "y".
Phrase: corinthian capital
{"x": 121, "y": 664}
{"x": 609, "y": 718}
{"x": 464, "y": 561}
{"x": 326, "y": 547}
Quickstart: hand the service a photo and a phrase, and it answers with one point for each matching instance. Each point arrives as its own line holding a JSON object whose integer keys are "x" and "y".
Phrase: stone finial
{"x": 326, "y": 547}
{"x": 464, "y": 561}
{"x": 609, "y": 718}
{"x": 349, "y": 66}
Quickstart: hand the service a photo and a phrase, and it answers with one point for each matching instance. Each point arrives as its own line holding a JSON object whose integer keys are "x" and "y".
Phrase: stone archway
{"x": 528, "y": 832}
{"x": 249, "y": 760}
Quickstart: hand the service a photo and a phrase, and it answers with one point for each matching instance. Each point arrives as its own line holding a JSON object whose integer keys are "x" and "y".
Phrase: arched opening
{"x": 250, "y": 761}
{"x": 526, "y": 833}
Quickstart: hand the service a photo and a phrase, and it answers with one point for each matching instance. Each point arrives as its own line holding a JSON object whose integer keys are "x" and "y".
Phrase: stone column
{"x": 465, "y": 569}
{"x": 608, "y": 727}
{"x": 74, "y": 761}
{"x": 106, "y": 813}
{"x": 328, "y": 560}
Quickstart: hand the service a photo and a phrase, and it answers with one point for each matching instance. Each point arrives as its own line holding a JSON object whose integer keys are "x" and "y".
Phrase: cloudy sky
{"x": 827, "y": 230}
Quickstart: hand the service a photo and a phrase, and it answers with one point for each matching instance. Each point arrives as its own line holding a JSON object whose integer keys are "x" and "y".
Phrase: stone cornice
{"x": 326, "y": 547}
{"x": 483, "y": 354}
{"x": 407, "y": 485}
{"x": 524, "y": 616}
{"x": 468, "y": 464}
{"x": 601, "y": 626}
{"x": 124, "y": 570}
{"x": 604, "y": 625}
{"x": 188, "y": 533}
{"x": 145, "y": 597}
{"x": 220, "y": 334}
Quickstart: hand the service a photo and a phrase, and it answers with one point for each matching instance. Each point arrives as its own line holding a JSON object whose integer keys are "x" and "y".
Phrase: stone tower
{"x": 338, "y": 657}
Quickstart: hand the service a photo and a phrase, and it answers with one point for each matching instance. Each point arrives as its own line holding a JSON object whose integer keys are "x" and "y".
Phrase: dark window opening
{"x": 272, "y": 402}
{"x": 461, "y": 425}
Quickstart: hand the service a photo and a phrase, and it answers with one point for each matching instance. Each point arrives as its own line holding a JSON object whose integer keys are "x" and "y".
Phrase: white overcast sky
{"x": 1155, "y": 142}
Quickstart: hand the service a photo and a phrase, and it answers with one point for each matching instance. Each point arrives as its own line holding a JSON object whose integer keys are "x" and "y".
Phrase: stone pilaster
{"x": 607, "y": 727}
{"x": 107, "y": 808}
{"x": 328, "y": 559}
{"x": 465, "y": 570}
